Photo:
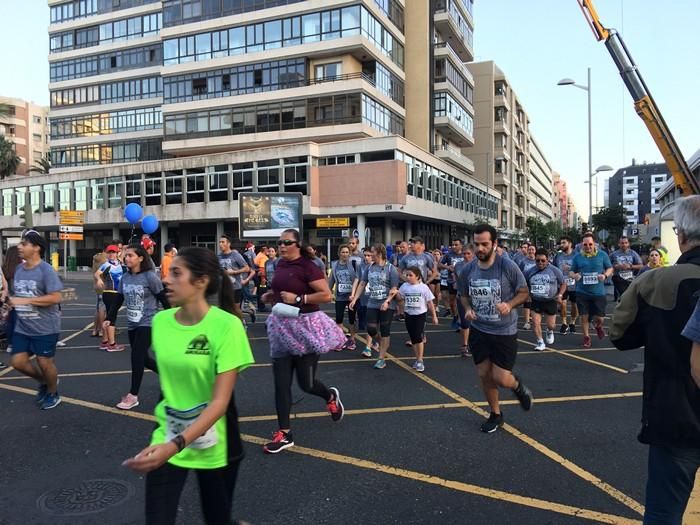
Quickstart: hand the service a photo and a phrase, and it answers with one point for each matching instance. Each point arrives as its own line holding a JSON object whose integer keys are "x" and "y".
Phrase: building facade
{"x": 541, "y": 201}
{"x": 635, "y": 188}
{"x": 560, "y": 204}
{"x": 146, "y": 97}
{"x": 25, "y": 125}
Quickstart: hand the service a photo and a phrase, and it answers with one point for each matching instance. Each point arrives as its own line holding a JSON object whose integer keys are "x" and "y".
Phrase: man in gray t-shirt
{"x": 491, "y": 288}
{"x": 36, "y": 297}
{"x": 418, "y": 258}
{"x": 233, "y": 264}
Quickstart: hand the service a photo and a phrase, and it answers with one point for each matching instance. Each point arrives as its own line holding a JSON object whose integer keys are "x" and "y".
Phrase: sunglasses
{"x": 541, "y": 260}
{"x": 286, "y": 242}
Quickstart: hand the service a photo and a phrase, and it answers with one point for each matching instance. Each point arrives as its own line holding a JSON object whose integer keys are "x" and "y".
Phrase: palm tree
{"x": 4, "y": 110}
{"x": 41, "y": 166}
{"x": 9, "y": 161}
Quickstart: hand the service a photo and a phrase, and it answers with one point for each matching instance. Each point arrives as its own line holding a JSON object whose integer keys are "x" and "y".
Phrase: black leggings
{"x": 164, "y": 486}
{"x": 283, "y": 370}
{"x": 340, "y": 307}
{"x": 140, "y": 341}
{"x": 375, "y": 317}
{"x": 415, "y": 325}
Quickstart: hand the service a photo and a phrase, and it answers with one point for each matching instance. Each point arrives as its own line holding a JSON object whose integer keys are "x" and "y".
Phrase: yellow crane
{"x": 643, "y": 101}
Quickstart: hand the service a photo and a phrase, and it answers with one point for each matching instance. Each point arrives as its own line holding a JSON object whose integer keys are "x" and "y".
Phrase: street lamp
{"x": 604, "y": 167}
{"x": 587, "y": 89}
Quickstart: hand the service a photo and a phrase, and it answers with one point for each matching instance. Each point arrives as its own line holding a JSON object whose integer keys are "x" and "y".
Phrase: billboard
{"x": 267, "y": 215}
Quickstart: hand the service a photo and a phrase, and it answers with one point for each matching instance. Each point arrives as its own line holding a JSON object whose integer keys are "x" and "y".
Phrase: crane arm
{"x": 644, "y": 103}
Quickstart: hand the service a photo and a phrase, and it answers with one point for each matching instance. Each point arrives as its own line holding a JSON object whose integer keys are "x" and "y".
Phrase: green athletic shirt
{"x": 189, "y": 358}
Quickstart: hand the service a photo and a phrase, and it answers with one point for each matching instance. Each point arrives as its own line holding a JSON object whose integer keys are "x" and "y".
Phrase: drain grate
{"x": 94, "y": 495}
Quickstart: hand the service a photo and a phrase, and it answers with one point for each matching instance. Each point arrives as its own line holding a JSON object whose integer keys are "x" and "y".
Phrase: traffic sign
{"x": 70, "y": 236}
{"x": 330, "y": 233}
{"x": 603, "y": 235}
{"x": 332, "y": 222}
{"x": 70, "y": 229}
{"x": 356, "y": 233}
{"x": 71, "y": 217}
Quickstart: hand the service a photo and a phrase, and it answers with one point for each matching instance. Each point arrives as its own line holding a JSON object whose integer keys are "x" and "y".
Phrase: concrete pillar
{"x": 219, "y": 231}
{"x": 115, "y": 233}
{"x": 164, "y": 238}
{"x": 387, "y": 230}
{"x": 409, "y": 230}
{"x": 361, "y": 225}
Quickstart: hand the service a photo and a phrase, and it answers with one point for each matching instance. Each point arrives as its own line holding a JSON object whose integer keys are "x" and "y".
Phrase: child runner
{"x": 200, "y": 350}
{"x": 107, "y": 279}
{"x": 361, "y": 308}
{"x": 417, "y": 299}
{"x": 464, "y": 323}
{"x": 140, "y": 288}
{"x": 342, "y": 276}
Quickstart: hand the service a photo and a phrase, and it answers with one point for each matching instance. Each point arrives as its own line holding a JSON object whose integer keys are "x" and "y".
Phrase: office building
{"x": 635, "y": 188}
{"x": 25, "y": 124}
{"x": 560, "y": 203}
{"x": 180, "y": 105}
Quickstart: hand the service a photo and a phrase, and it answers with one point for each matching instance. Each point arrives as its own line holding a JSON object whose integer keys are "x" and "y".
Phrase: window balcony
{"x": 451, "y": 23}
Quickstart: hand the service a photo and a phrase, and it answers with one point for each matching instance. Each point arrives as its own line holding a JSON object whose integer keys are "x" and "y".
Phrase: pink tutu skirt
{"x": 313, "y": 333}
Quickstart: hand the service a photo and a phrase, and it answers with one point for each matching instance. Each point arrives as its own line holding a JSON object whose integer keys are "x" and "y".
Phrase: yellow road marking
{"x": 385, "y": 469}
{"x": 455, "y": 485}
{"x": 584, "y": 359}
{"x": 543, "y": 449}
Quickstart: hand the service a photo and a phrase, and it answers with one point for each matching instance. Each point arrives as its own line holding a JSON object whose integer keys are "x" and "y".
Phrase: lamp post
{"x": 587, "y": 89}
{"x": 604, "y": 167}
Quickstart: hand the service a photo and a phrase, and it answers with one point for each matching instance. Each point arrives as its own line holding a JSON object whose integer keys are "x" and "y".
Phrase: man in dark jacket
{"x": 652, "y": 313}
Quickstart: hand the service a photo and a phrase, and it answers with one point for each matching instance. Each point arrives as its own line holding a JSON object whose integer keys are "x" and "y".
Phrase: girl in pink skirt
{"x": 299, "y": 333}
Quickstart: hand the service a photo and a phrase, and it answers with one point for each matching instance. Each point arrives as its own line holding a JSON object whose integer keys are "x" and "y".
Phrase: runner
{"x": 656, "y": 245}
{"x": 98, "y": 260}
{"x": 547, "y": 287}
{"x": 313, "y": 255}
{"x": 382, "y": 279}
{"x": 464, "y": 323}
{"x": 299, "y": 332}
{"x": 168, "y": 256}
{"x": 519, "y": 255}
{"x": 562, "y": 260}
{"x": 342, "y": 276}
{"x": 107, "y": 279}
{"x": 355, "y": 253}
{"x": 361, "y": 308}
{"x": 448, "y": 290}
{"x": 526, "y": 264}
{"x": 200, "y": 350}
{"x": 654, "y": 261}
{"x": 418, "y": 300}
{"x": 436, "y": 285}
{"x": 38, "y": 324}
{"x": 270, "y": 265}
{"x": 418, "y": 258}
{"x": 9, "y": 267}
{"x": 625, "y": 263}
{"x": 491, "y": 289}
{"x": 234, "y": 265}
{"x": 140, "y": 288}
{"x": 590, "y": 268}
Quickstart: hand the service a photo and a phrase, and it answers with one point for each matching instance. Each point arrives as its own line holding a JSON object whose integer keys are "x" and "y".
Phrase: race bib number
{"x": 570, "y": 281}
{"x": 485, "y": 294}
{"x": 344, "y": 287}
{"x": 378, "y": 293}
{"x": 134, "y": 315}
{"x": 413, "y": 301}
{"x": 627, "y": 275}
{"x": 540, "y": 289}
{"x": 179, "y": 420}
{"x": 443, "y": 282}
{"x": 590, "y": 278}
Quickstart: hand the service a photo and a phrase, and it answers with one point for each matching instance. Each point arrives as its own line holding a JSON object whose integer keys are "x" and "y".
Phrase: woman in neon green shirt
{"x": 199, "y": 349}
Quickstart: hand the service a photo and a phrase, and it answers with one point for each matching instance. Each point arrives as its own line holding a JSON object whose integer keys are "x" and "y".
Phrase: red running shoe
{"x": 335, "y": 405}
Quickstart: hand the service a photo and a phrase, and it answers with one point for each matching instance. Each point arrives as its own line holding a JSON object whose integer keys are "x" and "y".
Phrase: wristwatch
{"x": 297, "y": 299}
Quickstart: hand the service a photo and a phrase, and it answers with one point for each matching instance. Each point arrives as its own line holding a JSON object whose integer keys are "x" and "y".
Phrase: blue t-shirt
{"x": 360, "y": 273}
{"x": 112, "y": 272}
{"x": 563, "y": 262}
{"x": 424, "y": 262}
{"x": 526, "y": 264}
{"x": 544, "y": 284}
{"x": 692, "y": 327}
{"x": 628, "y": 257}
{"x": 449, "y": 276}
{"x": 380, "y": 280}
{"x": 140, "y": 291}
{"x": 342, "y": 276}
{"x": 590, "y": 268}
{"x": 233, "y": 261}
{"x": 37, "y": 282}
{"x": 488, "y": 287}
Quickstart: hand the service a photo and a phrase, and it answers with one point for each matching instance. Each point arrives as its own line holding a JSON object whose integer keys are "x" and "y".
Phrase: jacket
{"x": 652, "y": 313}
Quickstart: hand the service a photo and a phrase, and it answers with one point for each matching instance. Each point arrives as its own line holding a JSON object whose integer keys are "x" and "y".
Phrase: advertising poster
{"x": 267, "y": 215}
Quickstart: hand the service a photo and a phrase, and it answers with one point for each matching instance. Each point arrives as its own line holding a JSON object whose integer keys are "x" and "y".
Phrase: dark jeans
{"x": 140, "y": 341}
{"x": 283, "y": 370}
{"x": 671, "y": 478}
{"x": 164, "y": 486}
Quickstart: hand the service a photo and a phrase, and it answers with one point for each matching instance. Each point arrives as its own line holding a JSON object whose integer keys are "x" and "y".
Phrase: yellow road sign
{"x": 333, "y": 222}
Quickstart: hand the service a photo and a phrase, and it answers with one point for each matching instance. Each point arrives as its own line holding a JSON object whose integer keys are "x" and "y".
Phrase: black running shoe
{"x": 564, "y": 329}
{"x": 572, "y": 328}
{"x": 492, "y": 423}
{"x": 280, "y": 441}
{"x": 523, "y": 394}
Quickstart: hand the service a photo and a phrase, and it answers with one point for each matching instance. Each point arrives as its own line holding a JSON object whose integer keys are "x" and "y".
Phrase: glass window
{"x": 64, "y": 196}
{"x": 311, "y": 27}
{"x": 273, "y": 34}
{"x": 81, "y": 200}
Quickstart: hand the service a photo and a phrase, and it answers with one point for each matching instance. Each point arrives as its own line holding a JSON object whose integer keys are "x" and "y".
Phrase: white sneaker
{"x": 527, "y": 326}
{"x": 550, "y": 337}
{"x": 128, "y": 402}
{"x": 60, "y": 343}
{"x": 540, "y": 346}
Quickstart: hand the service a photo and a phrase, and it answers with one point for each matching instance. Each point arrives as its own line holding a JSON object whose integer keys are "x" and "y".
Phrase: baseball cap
{"x": 112, "y": 248}
{"x": 148, "y": 243}
{"x": 417, "y": 239}
{"x": 35, "y": 238}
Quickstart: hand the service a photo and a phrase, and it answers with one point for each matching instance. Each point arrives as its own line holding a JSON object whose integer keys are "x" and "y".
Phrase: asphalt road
{"x": 409, "y": 449}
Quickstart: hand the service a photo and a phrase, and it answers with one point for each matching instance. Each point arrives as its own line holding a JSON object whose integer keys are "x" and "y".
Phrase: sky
{"x": 536, "y": 44}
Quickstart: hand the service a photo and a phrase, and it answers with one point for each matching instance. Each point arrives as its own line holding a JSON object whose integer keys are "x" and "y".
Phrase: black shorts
{"x": 109, "y": 298}
{"x": 415, "y": 326}
{"x": 238, "y": 296}
{"x": 444, "y": 287}
{"x": 591, "y": 305}
{"x": 380, "y": 319}
{"x": 544, "y": 307}
{"x": 501, "y": 350}
{"x": 448, "y": 288}
{"x": 527, "y": 304}
{"x": 569, "y": 296}
{"x": 340, "y": 307}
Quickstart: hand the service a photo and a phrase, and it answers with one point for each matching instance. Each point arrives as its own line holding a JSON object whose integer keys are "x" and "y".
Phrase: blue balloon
{"x": 133, "y": 213}
{"x": 149, "y": 224}
{"x": 389, "y": 251}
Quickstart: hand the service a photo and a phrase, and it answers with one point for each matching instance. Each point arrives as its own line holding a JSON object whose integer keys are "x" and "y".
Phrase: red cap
{"x": 112, "y": 248}
{"x": 249, "y": 245}
{"x": 147, "y": 243}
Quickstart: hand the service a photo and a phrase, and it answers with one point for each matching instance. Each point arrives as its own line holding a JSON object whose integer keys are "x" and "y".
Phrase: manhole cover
{"x": 90, "y": 496}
